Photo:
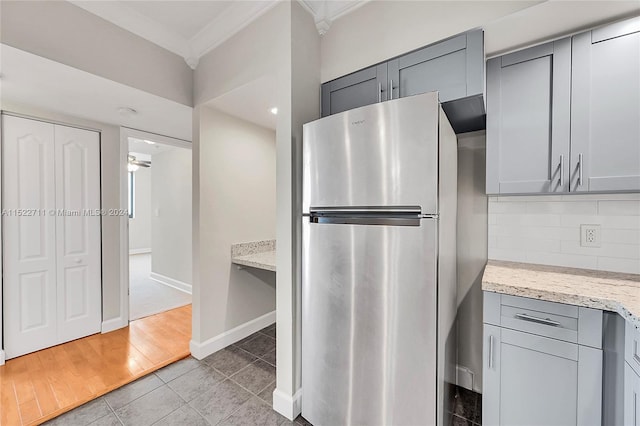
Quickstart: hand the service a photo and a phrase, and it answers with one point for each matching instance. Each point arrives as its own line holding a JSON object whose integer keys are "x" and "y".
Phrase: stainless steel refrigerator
{"x": 379, "y": 264}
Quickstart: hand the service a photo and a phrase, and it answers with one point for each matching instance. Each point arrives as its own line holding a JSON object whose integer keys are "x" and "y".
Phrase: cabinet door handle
{"x": 379, "y": 92}
{"x": 561, "y": 171}
{"x": 545, "y": 321}
{"x": 491, "y": 352}
{"x": 390, "y": 89}
{"x": 580, "y": 158}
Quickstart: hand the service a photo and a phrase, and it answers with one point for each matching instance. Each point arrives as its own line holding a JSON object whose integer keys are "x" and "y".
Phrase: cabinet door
{"x": 528, "y": 120}
{"x": 361, "y": 88}
{"x": 631, "y": 397}
{"x": 453, "y": 67}
{"x": 534, "y": 380}
{"x": 605, "y": 126}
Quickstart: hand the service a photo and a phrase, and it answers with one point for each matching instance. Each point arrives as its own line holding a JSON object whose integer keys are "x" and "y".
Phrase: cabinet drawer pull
{"x": 545, "y": 321}
{"x": 379, "y": 92}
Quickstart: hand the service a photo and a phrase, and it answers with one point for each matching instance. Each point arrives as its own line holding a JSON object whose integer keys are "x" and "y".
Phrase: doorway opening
{"x": 159, "y": 203}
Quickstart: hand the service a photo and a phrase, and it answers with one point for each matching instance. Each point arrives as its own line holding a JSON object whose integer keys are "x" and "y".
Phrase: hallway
{"x": 44, "y": 384}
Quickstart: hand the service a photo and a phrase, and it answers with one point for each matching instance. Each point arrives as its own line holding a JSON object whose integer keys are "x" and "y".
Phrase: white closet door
{"x": 29, "y": 236}
{"x": 77, "y": 162}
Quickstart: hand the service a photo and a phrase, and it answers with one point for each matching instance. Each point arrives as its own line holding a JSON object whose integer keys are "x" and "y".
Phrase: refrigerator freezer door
{"x": 384, "y": 154}
{"x": 369, "y": 324}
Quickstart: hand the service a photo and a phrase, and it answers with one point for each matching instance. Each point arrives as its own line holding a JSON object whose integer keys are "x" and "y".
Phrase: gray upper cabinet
{"x": 364, "y": 87}
{"x": 605, "y": 134}
{"x": 563, "y": 117}
{"x": 453, "y": 67}
{"x": 528, "y": 120}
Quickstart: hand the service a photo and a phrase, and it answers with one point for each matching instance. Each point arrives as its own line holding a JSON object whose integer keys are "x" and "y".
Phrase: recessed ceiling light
{"x": 127, "y": 112}
{"x": 274, "y": 110}
{"x": 149, "y": 142}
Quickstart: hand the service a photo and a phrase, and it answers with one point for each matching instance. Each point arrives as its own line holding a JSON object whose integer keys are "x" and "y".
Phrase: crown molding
{"x": 120, "y": 14}
{"x": 233, "y": 19}
{"x": 325, "y": 12}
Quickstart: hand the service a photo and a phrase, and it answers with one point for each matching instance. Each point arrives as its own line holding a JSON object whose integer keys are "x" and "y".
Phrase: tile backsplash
{"x": 546, "y": 230}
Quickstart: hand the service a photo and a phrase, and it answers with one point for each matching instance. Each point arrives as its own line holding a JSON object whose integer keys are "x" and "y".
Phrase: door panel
{"x": 78, "y": 264}
{"x": 528, "y": 120}
{"x": 29, "y": 241}
{"x": 606, "y": 107}
{"x": 358, "y": 89}
{"x": 369, "y": 323}
{"x": 374, "y": 156}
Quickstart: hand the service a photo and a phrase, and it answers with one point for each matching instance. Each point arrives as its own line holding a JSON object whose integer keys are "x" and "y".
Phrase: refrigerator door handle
{"x": 370, "y": 220}
{"x": 337, "y": 211}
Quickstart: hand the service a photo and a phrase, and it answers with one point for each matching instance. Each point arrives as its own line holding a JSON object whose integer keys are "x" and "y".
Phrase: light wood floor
{"x": 39, "y": 386}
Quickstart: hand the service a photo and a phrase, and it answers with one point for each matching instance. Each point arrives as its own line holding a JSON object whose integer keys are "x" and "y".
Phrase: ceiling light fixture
{"x": 149, "y": 142}
{"x": 274, "y": 111}
{"x": 127, "y": 112}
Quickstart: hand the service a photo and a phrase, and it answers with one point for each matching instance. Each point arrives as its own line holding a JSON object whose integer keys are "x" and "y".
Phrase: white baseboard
{"x": 139, "y": 251}
{"x": 3, "y": 357}
{"x": 286, "y": 405}
{"x": 114, "y": 324}
{"x": 221, "y": 341}
{"x": 178, "y": 285}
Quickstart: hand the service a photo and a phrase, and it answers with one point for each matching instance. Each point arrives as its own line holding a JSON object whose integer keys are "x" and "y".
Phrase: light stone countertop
{"x": 256, "y": 254}
{"x": 609, "y": 291}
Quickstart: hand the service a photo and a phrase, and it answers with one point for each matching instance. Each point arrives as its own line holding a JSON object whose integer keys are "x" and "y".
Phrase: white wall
{"x": 140, "y": 224}
{"x": 546, "y": 230}
{"x": 171, "y": 214}
{"x": 380, "y": 30}
{"x": 65, "y": 33}
{"x": 237, "y": 203}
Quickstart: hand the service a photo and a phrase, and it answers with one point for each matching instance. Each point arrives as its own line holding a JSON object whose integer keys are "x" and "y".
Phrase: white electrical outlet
{"x": 590, "y": 235}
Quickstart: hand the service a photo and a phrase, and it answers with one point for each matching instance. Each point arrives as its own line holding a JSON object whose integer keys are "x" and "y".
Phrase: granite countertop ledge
{"x": 609, "y": 291}
{"x": 256, "y": 254}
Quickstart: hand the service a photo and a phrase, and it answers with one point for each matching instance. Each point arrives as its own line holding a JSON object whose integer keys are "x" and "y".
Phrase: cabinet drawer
{"x": 560, "y": 321}
{"x": 541, "y": 323}
{"x": 632, "y": 346}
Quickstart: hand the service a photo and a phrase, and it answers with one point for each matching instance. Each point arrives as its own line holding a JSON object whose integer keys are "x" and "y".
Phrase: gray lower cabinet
{"x": 539, "y": 367}
{"x": 631, "y": 397}
{"x": 605, "y": 109}
{"x": 528, "y": 120}
{"x": 632, "y": 375}
{"x": 453, "y": 67}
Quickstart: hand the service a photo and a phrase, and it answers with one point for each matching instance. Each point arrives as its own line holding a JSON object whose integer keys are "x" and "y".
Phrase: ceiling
{"x": 251, "y": 102}
{"x": 139, "y": 146}
{"x": 192, "y": 28}
{"x": 32, "y": 80}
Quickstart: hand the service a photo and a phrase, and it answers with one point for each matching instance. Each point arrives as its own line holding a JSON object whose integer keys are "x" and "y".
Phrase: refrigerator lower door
{"x": 369, "y": 324}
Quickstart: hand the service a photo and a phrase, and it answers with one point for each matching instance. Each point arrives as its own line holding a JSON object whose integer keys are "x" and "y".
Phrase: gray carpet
{"x": 146, "y": 296}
